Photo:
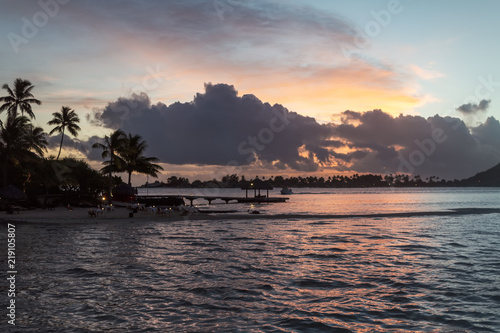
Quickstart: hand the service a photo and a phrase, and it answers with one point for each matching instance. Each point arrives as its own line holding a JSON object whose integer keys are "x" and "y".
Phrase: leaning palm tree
{"x": 112, "y": 144}
{"x": 132, "y": 154}
{"x": 19, "y": 97}
{"x": 66, "y": 119}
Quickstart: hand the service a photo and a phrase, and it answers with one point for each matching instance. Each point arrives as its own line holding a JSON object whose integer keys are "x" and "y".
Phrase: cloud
{"x": 425, "y": 74}
{"x": 474, "y": 108}
{"x": 294, "y": 48}
{"x": 440, "y": 146}
{"x": 74, "y": 145}
{"x": 219, "y": 128}
{"x": 488, "y": 133}
{"x": 229, "y": 34}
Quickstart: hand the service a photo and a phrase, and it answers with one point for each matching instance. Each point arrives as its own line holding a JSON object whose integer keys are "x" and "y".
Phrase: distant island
{"x": 488, "y": 178}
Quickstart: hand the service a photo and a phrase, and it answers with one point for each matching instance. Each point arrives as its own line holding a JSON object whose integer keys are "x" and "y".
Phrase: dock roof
{"x": 257, "y": 184}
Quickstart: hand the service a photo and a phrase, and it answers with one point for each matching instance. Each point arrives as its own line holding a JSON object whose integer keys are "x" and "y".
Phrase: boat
{"x": 286, "y": 190}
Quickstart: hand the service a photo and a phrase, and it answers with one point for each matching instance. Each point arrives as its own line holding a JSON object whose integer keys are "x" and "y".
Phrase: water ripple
{"x": 364, "y": 275}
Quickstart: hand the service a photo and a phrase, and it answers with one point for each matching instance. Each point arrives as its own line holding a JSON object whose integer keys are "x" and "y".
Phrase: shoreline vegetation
{"x": 488, "y": 178}
{"x": 30, "y": 178}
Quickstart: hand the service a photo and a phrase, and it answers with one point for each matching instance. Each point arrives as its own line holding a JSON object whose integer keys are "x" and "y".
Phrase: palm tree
{"x": 133, "y": 158}
{"x": 18, "y": 139}
{"x": 66, "y": 119}
{"x": 112, "y": 144}
{"x": 37, "y": 139}
{"x": 20, "y": 97}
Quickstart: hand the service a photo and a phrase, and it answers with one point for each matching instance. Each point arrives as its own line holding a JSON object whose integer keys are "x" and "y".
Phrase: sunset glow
{"x": 317, "y": 59}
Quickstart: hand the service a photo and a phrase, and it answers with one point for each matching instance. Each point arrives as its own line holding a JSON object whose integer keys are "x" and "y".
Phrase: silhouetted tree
{"x": 133, "y": 159}
{"x": 20, "y": 143}
{"x": 19, "y": 97}
{"x": 66, "y": 119}
{"x": 112, "y": 144}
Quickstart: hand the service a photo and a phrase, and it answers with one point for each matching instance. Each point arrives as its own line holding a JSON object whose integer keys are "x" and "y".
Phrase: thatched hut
{"x": 257, "y": 185}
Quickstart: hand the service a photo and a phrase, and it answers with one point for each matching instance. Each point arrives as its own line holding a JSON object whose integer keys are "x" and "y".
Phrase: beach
{"x": 79, "y": 215}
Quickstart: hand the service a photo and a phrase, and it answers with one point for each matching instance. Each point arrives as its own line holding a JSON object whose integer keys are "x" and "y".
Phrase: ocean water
{"x": 379, "y": 274}
{"x": 348, "y": 201}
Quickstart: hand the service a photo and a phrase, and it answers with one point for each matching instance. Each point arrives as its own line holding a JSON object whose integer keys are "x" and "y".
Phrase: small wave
{"x": 310, "y": 325}
{"x": 495, "y": 298}
{"x": 103, "y": 239}
{"x": 312, "y": 283}
{"x": 253, "y": 249}
{"x": 462, "y": 323}
{"x": 320, "y": 223}
{"x": 454, "y": 244}
{"x": 82, "y": 272}
{"x": 213, "y": 292}
{"x": 334, "y": 239}
{"x": 322, "y": 256}
{"x": 265, "y": 287}
{"x": 413, "y": 247}
{"x": 111, "y": 318}
{"x": 200, "y": 244}
{"x": 335, "y": 249}
{"x": 380, "y": 237}
{"x": 236, "y": 239}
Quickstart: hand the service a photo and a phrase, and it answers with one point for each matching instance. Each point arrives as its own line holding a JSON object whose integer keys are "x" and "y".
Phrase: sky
{"x": 318, "y": 87}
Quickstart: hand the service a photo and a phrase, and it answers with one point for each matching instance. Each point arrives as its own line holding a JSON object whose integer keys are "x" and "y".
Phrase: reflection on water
{"x": 358, "y": 275}
{"x": 352, "y": 201}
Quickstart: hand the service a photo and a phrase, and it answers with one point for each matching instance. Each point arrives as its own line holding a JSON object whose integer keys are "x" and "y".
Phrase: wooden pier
{"x": 162, "y": 199}
{"x": 256, "y": 185}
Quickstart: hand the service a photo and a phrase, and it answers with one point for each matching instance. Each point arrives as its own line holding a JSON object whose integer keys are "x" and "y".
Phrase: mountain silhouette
{"x": 490, "y": 177}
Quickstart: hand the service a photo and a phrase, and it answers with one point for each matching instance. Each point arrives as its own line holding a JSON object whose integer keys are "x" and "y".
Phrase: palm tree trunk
{"x": 60, "y": 147}
{"x": 130, "y": 178}
{"x": 110, "y": 173}
{"x": 5, "y": 172}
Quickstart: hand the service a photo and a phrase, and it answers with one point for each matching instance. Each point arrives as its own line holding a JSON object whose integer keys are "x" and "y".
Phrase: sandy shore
{"x": 81, "y": 215}
{"x": 121, "y": 215}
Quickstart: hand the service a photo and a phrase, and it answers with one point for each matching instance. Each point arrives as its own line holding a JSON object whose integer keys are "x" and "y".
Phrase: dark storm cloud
{"x": 441, "y": 146}
{"x": 470, "y": 108}
{"x": 219, "y": 127}
{"x": 115, "y": 112}
{"x": 488, "y": 133}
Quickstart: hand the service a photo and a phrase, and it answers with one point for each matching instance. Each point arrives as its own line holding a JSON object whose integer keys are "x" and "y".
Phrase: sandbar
{"x": 121, "y": 215}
